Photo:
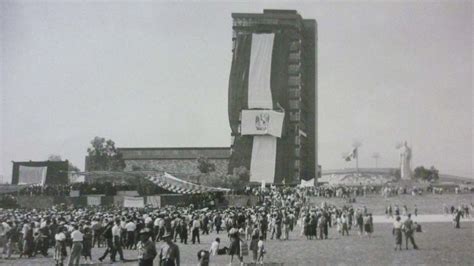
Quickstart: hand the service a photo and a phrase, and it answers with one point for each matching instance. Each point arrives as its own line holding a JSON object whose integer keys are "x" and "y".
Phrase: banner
{"x": 77, "y": 178}
{"x": 262, "y": 166}
{"x": 32, "y": 174}
{"x": 154, "y": 201}
{"x": 307, "y": 183}
{"x": 133, "y": 202}
{"x": 262, "y": 122}
{"x": 260, "y": 69}
{"x": 129, "y": 193}
{"x": 94, "y": 200}
{"x": 74, "y": 193}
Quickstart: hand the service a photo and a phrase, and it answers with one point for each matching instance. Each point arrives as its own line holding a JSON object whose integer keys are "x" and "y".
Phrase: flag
{"x": 257, "y": 77}
{"x": 351, "y": 155}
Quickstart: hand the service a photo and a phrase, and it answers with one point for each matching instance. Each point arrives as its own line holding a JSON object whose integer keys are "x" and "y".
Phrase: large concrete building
{"x": 293, "y": 90}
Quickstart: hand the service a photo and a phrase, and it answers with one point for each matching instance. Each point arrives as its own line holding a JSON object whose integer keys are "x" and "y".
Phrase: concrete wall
{"x": 182, "y": 166}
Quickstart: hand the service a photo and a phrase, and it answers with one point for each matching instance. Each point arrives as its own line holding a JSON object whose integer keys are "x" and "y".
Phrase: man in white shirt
{"x": 116, "y": 234}
{"x": 76, "y": 248}
{"x": 130, "y": 227}
{"x": 195, "y": 230}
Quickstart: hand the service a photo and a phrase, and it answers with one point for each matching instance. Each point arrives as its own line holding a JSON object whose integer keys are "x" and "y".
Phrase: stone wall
{"x": 182, "y": 166}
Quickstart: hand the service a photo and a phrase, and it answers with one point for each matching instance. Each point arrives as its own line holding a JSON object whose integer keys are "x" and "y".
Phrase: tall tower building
{"x": 273, "y": 96}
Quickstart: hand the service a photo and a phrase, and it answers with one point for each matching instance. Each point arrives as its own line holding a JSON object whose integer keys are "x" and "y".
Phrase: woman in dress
{"x": 397, "y": 232}
{"x": 234, "y": 248}
{"x": 367, "y": 228}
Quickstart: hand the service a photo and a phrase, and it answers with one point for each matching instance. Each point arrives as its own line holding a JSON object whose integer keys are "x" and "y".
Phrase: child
{"x": 261, "y": 250}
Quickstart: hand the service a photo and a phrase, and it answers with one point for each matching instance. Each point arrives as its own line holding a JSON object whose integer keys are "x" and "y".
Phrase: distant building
{"x": 293, "y": 81}
{"x": 181, "y": 161}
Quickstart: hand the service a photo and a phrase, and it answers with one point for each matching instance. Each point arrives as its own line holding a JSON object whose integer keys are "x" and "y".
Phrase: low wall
{"x": 43, "y": 202}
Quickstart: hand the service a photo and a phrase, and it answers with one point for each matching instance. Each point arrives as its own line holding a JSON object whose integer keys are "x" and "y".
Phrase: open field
{"x": 426, "y": 204}
{"x": 440, "y": 244}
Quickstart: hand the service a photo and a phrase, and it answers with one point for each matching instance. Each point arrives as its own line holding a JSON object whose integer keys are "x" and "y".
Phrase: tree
{"x": 58, "y": 158}
{"x": 103, "y": 156}
{"x": 426, "y": 174}
{"x": 205, "y": 166}
{"x": 242, "y": 173}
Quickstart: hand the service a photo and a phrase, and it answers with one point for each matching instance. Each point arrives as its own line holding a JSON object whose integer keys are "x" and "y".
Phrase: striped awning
{"x": 180, "y": 186}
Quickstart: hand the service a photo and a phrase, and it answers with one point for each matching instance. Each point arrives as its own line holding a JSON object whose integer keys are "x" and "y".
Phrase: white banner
{"x": 94, "y": 200}
{"x": 307, "y": 183}
{"x": 130, "y": 193}
{"x": 154, "y": 201}
{"x": 262, "y": 165}
{"x": 262, "y": 122}
{"x": 133, "y": 202}
{"x": 74, "y": 193}
{"x": 259, "y": 92}
{"x": 32, "y": 174}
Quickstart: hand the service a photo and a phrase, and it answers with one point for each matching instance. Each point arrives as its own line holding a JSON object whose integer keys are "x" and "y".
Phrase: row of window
{"x": 249, "y": 22}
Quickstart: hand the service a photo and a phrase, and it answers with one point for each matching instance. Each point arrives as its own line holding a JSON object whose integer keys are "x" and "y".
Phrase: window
{"x": 294, "y": 81}
{"x": 295, "y": 93}
{"x": 294, "y": 104}
{"x": 297, "y": 164}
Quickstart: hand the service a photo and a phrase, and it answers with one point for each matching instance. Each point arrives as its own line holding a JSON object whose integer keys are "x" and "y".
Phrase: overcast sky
{"x": 156, "y": 75}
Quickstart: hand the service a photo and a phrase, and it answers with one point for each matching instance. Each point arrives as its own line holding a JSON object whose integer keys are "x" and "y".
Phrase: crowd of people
{"x": 73, "y": 232}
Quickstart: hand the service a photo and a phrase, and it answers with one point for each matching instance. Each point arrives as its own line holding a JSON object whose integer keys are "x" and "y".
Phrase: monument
{"x": 405, "y": 158}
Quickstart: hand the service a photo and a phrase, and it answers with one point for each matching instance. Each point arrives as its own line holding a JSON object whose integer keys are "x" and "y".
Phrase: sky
{"x": 155, "y": 74}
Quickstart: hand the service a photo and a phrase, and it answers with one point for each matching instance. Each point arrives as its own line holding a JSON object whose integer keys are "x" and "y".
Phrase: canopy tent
{"x": 177, "y": 185}
{"x": 159, "y": 178}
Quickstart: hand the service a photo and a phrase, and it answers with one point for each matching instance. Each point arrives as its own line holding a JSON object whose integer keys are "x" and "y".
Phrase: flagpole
{"x": 356, "y": 151}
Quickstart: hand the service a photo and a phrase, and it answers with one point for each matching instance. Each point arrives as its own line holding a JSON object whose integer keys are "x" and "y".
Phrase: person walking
{"x": 344, "y": 222}
{"x": 87, "y": 244}
{"x": 107, "y": 234}
{"x": 130, "y": 227}
{"x": 117, "y": 241}
{"x": 60, "y": 252}
{"x": 146, "y": 248}
{"x": 397, "y": 232}
{"x": 409, "y": 230}
{"x": 169, "y": 252}
{"x": 196, "y": 224}
{"x": 183, "y": 232}
{"x": 234, "y": 248}
{"x": 76, "y": 250}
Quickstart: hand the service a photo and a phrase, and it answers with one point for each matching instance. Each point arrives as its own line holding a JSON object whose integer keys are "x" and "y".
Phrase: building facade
{"x": 179, "y": 161}
{"x": 293, "y": 89}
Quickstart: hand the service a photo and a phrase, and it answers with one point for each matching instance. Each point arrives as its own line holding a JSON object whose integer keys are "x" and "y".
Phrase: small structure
{"x": 40, "y": 172}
